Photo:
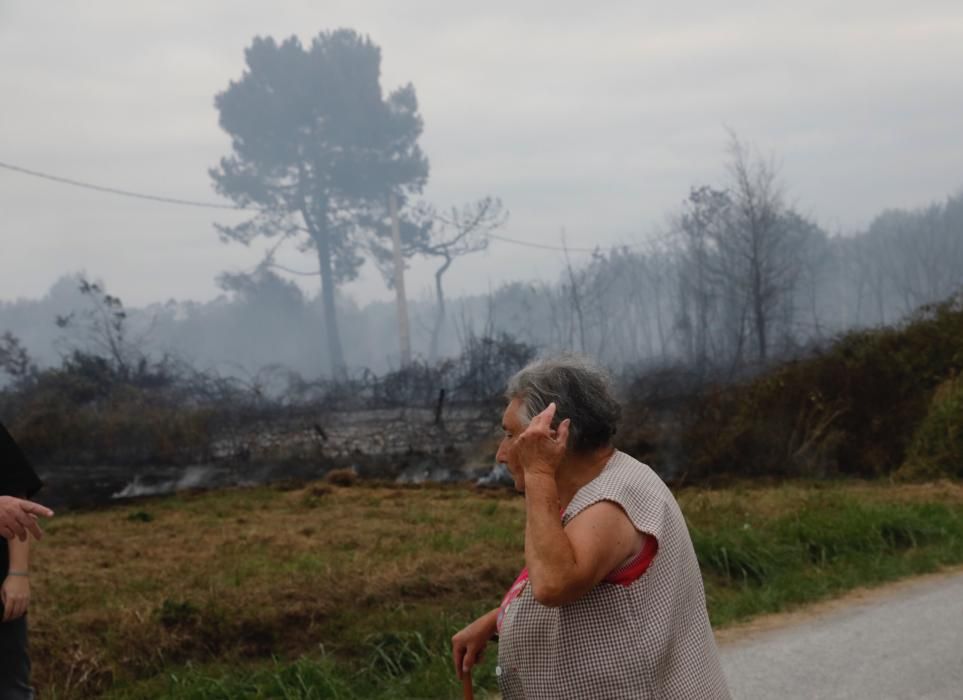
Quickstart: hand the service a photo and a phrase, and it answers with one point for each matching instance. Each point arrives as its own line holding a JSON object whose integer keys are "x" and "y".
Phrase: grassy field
{"x": 353, "y": 592}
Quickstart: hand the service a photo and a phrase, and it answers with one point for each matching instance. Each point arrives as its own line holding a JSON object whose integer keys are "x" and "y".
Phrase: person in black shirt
{"x": 17, "y": 479}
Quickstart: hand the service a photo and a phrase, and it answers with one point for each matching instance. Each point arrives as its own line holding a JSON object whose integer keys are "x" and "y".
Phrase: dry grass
{"x": 127, "y": 591}
{"x": 239, "y": 576}
{"x": 777, "y": 500}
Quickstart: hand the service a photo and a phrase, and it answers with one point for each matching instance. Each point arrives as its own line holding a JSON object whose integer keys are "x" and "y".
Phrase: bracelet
{"x": 18, "y": 573}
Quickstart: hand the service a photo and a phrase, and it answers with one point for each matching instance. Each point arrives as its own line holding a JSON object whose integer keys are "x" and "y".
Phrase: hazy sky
{"x": 592, "y": 117}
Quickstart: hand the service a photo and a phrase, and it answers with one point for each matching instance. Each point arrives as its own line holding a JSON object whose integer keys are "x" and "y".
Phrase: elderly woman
{"x": 611, "y": 603}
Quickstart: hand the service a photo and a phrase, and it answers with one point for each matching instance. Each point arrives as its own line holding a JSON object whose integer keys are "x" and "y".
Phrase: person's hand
{"x": 19, "y": 517}
{"x": 539, "y": 449}
{"x": 15, "y": 594}
{"x": 468, "y": 645}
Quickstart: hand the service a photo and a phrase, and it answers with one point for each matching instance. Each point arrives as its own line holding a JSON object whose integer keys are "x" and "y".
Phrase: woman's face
{"x": 513, "y": 425}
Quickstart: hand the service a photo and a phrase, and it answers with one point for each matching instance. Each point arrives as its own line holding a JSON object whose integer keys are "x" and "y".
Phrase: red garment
{"x": 625, "y": 575}
{"x": 622, "y": 576}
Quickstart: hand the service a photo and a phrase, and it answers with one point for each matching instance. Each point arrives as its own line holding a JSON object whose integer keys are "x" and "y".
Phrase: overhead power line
{"x": 543, "y": 246}
{"x": 214, "y": 205}
{"x": 118, "y": 191}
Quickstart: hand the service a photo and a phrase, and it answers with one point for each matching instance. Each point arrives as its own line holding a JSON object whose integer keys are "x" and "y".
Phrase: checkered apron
{"x": 650, "y": 639}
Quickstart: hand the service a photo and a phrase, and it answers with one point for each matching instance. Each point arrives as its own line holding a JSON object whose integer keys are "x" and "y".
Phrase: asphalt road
{"x": 904, "y": 643}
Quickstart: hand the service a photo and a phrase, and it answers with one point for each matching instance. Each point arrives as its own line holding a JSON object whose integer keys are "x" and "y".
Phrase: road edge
{"x": 761, "y": 625}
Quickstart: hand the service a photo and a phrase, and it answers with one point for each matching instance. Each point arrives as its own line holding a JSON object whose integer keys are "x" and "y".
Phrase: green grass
{"x": 832, "y": 545}
{"x": 355, "y": 592}
{"x": 424, "y": 675}
{"x": 409, "y": 657}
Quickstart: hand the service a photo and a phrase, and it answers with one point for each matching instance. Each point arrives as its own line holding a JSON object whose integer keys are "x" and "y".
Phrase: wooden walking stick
{"x": 466, "y": 685}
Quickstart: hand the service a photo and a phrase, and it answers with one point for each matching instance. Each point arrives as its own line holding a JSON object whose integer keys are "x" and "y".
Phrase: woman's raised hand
{"x": 540, "y": 449}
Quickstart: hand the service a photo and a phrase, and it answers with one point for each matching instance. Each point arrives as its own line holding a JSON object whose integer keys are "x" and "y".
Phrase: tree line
{"x": 740, "y": 278}
{"x": 330, "y": 164}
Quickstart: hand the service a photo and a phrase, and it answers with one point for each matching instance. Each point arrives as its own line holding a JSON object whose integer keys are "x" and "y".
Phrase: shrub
{"x": 852, "y": 408}
{"x": 341, "y": 477}
{"x": 127, "y": 409}
{"x": 937, "y": 446}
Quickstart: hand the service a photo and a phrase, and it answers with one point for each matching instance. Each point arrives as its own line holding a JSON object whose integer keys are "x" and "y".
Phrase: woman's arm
{"x": 566, "y": 563}
{"x": 15, "y": 591}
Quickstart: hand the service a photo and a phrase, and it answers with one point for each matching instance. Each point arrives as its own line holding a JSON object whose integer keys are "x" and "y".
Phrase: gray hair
{"x": 581, "y": 391}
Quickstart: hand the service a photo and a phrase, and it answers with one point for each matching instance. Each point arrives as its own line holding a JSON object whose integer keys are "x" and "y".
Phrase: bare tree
{"x": 713, "y": 306}
{"x": 920, "y": 252}
{"x": 818, "y": 293}
{"x": 703, "y": 226}
{"x": 460, "y": 232}
{"x": 574, "y": 288}
{"x": 104, "y": 324}
{"x": 763, "y": 238}
{"x": 740, "y": 263}
{"x": 14, "y": 358}
{"x": 661, "y": 266}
